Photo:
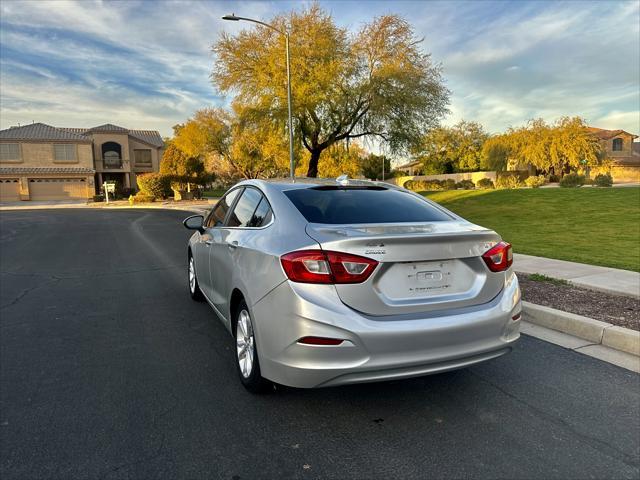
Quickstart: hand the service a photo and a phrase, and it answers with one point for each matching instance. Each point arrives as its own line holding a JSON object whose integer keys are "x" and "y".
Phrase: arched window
{"x": 617, "y": 144}
{"x": 112, "y": 155}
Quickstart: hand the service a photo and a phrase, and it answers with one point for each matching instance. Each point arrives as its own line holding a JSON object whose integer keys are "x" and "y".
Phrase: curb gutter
{"x": 595, "y": 331}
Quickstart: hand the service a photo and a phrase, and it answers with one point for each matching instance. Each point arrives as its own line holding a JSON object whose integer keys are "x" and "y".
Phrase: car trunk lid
{"x": 423, "y": 267}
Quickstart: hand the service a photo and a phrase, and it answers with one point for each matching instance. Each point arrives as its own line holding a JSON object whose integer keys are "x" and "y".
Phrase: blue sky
{"x": 147, "y": 64}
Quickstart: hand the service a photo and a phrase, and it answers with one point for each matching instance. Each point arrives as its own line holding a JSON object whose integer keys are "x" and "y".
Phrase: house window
{"x": 142, "y": 157}
{"x": 112, "y": 155}
{"x": 64, "y": 152}
{"x": 9, "y": 152}
{"x": 617, "y": 144}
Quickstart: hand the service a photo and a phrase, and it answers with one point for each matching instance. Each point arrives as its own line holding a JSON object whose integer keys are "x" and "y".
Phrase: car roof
{"x": 284, "y": 184}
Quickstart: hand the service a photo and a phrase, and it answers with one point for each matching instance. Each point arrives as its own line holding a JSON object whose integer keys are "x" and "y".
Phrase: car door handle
{"x": 233, "y": 245}
{"x": 208, "y": 242}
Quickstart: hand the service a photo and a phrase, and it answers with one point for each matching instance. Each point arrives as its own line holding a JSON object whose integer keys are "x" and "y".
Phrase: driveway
{"x": 109, "y": 370}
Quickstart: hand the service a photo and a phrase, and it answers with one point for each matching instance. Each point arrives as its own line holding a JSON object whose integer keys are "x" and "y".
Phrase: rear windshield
{"x": 358, "y": 205}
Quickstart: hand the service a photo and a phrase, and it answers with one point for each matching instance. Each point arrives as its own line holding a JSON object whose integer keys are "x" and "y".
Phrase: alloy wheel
{"x": 245, "y": 343}
{"x": 192, "y": 276}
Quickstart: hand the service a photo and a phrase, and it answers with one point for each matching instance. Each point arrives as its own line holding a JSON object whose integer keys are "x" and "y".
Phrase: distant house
{"x": 41, "y": 162}
{"x": 411, "y": 168}
{"x": 618, "y": 146}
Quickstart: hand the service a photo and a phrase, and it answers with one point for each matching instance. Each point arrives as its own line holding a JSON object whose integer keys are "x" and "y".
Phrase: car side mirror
{"x": 194, "y": 222}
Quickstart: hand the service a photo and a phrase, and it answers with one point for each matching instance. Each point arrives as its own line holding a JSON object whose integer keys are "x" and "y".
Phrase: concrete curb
{"x": 595, "y": 331}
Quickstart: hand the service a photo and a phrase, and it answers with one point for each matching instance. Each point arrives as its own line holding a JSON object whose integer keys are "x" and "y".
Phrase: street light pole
{"x": 234, "y": 18}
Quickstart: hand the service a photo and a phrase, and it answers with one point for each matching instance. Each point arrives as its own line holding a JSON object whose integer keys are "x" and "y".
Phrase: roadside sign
{"x": 108, "y": 188}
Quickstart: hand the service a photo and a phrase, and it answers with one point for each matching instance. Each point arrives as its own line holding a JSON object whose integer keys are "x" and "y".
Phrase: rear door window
{"x": 216, "y": 217}
{"x": 262, "y": 215}
{"x": 243, "y": 212}
{"x": 347, "y": 205}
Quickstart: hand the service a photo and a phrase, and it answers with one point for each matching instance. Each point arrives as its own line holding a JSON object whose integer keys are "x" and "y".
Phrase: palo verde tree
{"x": 376, "y": 82}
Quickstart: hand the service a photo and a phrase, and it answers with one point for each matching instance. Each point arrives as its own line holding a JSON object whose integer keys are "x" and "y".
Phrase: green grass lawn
{"x": 600, "y": 226}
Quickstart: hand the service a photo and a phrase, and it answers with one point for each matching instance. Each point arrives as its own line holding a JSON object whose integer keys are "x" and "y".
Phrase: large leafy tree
{"x": 452, "y": 149}
{"x": 563, "y": 146}
{"x": 376, "y": 82}
{"x": 372, "y": 165}
{"x": 183, "y": 169}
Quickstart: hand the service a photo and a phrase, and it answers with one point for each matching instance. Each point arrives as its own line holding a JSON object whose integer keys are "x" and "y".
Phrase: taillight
{"x": 499, "y": 257}
{"x": 318, "y": 266}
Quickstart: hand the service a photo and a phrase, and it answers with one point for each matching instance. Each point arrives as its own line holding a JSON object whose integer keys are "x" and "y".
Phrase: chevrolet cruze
{"x": 331, "y": 282}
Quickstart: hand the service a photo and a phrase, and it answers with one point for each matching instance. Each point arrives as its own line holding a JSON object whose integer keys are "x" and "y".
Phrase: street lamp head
{"x": 231, "y": 17}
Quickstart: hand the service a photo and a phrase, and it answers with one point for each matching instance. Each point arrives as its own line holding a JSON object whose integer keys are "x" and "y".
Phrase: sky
{"x": 147, "y": 65}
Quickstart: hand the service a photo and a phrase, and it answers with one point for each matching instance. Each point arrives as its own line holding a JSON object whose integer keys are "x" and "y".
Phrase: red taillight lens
{"x": 499, "y": 257}
{"x": 318, "y": 266}
{"x": 320, "y": 341}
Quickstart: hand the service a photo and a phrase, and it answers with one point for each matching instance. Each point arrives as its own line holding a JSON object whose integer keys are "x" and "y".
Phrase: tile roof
{"x": 40, "y": 131}
{"x": 605, "y": 134}
{"x": 148, "y": 136}
{"x": 108, "y": 127}
{"x": 44, "y": 170}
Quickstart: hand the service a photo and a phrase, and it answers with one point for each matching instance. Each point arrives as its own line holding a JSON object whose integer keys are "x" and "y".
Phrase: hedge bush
{"x": 603, "y": 180}
{"x": 142, "y": 197}
{"x": 155, "y": 185}
{"x": 449, "y": 184}
{"x": 485, "y": 184}
{"x": 572, "y": 180}
{"x": 466, "y": 185}
{"x": 508, "y": 181}
{"x": 424, "y": 185}
{"x": 535, "y": 181}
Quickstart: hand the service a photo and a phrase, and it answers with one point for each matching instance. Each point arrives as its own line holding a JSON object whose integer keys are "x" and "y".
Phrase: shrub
{"x": 466, "y": 185}
{"x": 535, "y": 181}
{"x": 553, "y": 178}
{"x": 508, "y": 181}
{"x": 485, "y": 184}
{"x": 572, "y": 180}
{"x": 98, "y": 198}
{"x": 449, "y": 184}
{"x": 142, "y": 197}
{"x": 155, "y": 185}
{"x": 603, "y": 180}
{"x": 424, "y": 185}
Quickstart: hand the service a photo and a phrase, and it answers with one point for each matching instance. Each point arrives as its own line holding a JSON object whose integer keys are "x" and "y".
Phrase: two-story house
{"x": 41, "y": 162}
{"x": 621, "y": 153}
{"x": 618, "y": 146}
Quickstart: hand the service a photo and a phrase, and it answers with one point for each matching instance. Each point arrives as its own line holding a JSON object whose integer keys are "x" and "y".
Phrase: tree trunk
{"x": 312, "y": 172}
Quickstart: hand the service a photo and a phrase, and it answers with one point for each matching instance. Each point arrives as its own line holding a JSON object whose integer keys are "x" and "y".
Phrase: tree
{"x": 209, "y": 131}
{"x": 495, "y": 153}
{"x": 259, "y": 148}
{"x": 452, "y": 149}
{"x": 182, "y": 169}
{"x": 371, "y": 166}
{"x": 339, "y": 159}
{"x": 376, "y": 82}
{"x": 563, "y": 146}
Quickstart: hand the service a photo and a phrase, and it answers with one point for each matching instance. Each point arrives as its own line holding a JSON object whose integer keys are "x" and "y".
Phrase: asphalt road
{"x": 109, "y": 370}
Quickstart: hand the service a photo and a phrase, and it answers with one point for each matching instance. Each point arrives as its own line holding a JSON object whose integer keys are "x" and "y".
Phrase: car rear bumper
{"x": 375, "y": 348}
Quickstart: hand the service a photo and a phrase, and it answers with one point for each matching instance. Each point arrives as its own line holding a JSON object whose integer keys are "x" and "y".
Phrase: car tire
{"x": 246, "y": 352}
{"x": 192, "y": 281}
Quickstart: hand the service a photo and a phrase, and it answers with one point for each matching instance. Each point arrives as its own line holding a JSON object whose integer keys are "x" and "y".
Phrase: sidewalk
{"x": 604, "y": 279}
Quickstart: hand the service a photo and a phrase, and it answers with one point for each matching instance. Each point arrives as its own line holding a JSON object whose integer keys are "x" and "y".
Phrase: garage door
{"x": 58, "y": 188}
{"x": 9, "y": 190}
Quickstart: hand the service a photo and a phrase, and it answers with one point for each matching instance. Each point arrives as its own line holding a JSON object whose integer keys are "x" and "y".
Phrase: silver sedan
{"x": 337, "y": 282}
